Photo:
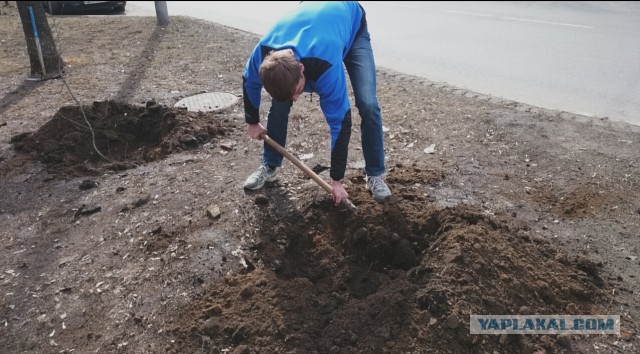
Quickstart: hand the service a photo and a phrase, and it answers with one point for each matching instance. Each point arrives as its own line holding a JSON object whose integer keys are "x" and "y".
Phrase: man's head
{"x": 281, "y": 75}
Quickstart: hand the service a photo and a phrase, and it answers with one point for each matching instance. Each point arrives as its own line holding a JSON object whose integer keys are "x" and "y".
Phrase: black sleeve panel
{"x": 264, "y": 50}
{"x": 341, "y": 149}
{"x": 315, "y": 67}
{"x": 251, "y": 113}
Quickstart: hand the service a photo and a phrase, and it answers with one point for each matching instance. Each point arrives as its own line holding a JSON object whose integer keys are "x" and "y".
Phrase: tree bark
{"x": 161, "y": 13}
{"x": 50, "y": 61}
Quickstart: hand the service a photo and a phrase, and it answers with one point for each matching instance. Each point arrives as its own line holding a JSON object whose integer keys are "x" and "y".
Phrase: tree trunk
{"x": 161, "y": 13}
{"x": 45, "y": 61}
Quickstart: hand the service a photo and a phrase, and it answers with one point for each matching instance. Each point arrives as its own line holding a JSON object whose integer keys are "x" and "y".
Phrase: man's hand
{"x": 255, "y": 130}
{"x": 338, "y": 191}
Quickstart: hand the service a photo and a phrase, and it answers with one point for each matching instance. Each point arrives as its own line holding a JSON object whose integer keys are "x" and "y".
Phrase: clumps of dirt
{"x": 579, "y": 200}
{"x": 126, "y": 136}
{"x": 404, "y": 276}
{"x": 584, "y": 200}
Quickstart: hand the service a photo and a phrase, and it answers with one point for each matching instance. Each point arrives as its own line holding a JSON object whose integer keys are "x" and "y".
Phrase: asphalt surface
{"x": 579, "y": 57}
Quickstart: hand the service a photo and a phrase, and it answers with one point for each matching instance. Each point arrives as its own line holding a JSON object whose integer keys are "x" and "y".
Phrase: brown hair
{"x": 280, "y": 73}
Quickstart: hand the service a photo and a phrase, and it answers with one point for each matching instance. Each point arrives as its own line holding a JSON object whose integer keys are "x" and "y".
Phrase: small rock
{"x": 562, "y": 258}
{"x": 572, "y": 309}
{"x": 564, "y": 341}
{"x": 211, "y": 326}
{"x": 227, "y": 145}
{"x": 321, "y": 168}
{"x": 87, "y": 210}
{"x": 65, "y": 260}
{"x": 87, "y": 184}
{"x": 247, "y": 264}
{"x": 430, "y": 149}
{"x": 452, "y": 321}
{"x": 2, "y": 124}
{"x": 360, "y": 237}
{"x": 306, "y": 156}
{"x": 247, "y": 291}
{"x": 142, "y": 201}
{"x": 213, "y": 212}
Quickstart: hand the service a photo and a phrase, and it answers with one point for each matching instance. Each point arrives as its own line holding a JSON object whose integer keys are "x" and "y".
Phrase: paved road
{"x": 581, "y": 57}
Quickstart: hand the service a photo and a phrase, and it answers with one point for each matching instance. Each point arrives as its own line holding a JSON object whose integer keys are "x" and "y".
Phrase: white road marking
{"x": 519, "y": 19}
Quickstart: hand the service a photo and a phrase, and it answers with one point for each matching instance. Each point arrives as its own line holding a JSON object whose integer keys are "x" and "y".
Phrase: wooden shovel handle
{"x": 326, "y": 186}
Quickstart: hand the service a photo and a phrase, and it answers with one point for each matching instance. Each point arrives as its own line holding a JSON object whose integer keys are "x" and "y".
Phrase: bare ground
{"x": 156, "y": 248}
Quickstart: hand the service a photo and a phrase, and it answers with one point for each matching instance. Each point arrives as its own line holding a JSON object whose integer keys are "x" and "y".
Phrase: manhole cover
{"x": 208, "y": 102}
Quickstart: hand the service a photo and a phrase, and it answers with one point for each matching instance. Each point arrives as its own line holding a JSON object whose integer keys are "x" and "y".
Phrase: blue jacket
{"x": 320, "y": 34}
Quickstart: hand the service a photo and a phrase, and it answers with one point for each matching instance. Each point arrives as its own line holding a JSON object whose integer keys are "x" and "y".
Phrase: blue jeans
{"x": 362, "y": 73}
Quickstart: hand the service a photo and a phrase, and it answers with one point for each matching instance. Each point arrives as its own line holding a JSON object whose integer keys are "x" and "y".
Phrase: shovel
{"x": 326, "y": 186}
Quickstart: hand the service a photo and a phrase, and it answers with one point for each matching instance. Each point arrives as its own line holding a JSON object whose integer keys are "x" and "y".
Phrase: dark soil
{"x": 154, "y": 247}
{"x": 401, "y": 277}
{"x": 125, "y": 136}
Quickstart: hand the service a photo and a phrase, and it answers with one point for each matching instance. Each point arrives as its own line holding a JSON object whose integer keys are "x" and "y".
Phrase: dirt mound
{"x": 125, "y": 136}
{"x": 400, "y": 277}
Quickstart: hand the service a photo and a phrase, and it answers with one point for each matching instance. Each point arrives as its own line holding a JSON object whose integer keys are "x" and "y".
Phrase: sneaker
{"x": 258, "y": 178}
{"x": 377, "y": 187}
